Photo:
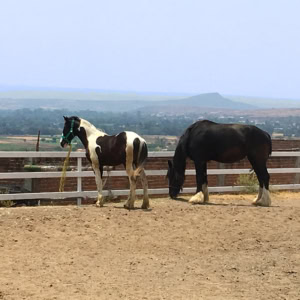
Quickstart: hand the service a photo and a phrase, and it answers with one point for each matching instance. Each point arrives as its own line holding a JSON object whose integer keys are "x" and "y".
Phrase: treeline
{"x": 50, "y": 122}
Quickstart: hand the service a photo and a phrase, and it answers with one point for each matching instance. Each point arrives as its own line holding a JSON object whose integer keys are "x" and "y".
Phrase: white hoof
{"x": 197, "y": 198}
{"x": 265, "y": 199}
{"x": 145, "y": 204}
{"x": 255, "y": 200}
{"x": 100, "y": 201}
{"x": 258, "y": 197}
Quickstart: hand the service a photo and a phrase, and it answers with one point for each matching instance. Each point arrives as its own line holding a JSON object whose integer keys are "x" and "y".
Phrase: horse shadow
{"x": 180, "y": 199}
{"x": 133, "y": 209}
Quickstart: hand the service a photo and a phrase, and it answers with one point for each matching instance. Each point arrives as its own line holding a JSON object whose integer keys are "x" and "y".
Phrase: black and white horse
{"x": 126, "y": 148}
{"x": 227, "y": 143}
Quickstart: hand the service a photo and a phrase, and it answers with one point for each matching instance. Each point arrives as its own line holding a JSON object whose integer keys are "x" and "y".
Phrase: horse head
{"x": 175, "y": 180}
{"x": 70, "y": 130}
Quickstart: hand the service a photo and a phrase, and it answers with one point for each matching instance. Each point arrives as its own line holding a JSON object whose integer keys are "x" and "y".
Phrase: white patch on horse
{"x": 197, "y": 198}
{"x": 99, "y": 148}
{"x": 132, "y": 174}
{"x": 258, "y": 197}
{"x": 130, "y": 137}
{"x": 200, "y": 197}
{"x": 265, "y": 199}
{"x": 92, "y": 134}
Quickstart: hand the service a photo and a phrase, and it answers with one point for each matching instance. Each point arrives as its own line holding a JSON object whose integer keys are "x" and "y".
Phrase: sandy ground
{"x": 224, "y": 250}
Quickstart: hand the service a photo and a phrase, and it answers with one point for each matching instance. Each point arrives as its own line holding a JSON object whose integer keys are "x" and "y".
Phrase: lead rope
{"x": 64, "y": 170}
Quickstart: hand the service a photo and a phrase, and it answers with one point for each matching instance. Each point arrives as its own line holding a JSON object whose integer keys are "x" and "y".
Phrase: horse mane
{"x": 181, "y": 153}
{"x": 85, "y": 123}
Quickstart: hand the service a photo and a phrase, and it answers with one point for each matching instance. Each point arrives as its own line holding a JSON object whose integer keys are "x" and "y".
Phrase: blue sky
{"x": 234, "y": 47}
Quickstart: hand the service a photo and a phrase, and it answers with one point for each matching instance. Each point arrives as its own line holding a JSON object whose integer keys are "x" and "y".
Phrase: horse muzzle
{"x": 63, "y": 143}
{"x": 173, "y": 194}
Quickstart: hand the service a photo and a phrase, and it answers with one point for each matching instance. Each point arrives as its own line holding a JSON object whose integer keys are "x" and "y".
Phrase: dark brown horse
{"x": 227, "y": 143}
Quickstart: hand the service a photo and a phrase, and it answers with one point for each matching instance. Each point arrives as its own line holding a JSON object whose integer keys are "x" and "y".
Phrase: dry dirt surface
{"x": 227, "y": 249}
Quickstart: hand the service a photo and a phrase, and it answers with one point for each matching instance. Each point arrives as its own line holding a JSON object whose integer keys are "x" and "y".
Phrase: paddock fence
{"x": 283, "y": 166}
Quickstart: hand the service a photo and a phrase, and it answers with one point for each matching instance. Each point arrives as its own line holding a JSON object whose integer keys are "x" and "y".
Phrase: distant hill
{"x": 205, "y": 102}
{"x": 267, "y": 103}
{"x": 213, "y": 100}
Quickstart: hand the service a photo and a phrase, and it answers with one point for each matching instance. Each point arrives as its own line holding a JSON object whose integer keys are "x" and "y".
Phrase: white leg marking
{"x": 201, "y": 197}
{"x": 265, "y": 199}
{"x": 100, "y": 199}
{"x": 205, "y": 193}
{"x": 130, "y": 202}
{"x": 260, "y": 192}
{"x": 197, "y": 198}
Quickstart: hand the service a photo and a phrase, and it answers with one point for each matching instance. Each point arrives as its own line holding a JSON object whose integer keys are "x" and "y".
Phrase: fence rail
{"x": 79, "y": 174}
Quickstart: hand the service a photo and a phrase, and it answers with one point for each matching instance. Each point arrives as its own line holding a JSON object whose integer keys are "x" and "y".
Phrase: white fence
{"x": 79, "y": 174}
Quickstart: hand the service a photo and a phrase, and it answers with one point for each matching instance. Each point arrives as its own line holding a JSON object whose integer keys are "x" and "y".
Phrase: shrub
{"x": 5, "y": 203}
{"x": 249, "y": 181}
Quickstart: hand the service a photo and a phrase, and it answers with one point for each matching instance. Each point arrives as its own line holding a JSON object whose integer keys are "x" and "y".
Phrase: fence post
{"x": 221, "y": 177}
{"x": 297, "y": 175}
{"x": 79, "y": 179}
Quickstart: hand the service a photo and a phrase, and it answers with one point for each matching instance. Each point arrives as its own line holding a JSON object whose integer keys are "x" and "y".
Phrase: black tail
{"x": 270, "y": 144}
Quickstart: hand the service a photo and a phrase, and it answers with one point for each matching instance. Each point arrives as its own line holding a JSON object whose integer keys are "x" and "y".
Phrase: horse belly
{"x": 230, "y": 155}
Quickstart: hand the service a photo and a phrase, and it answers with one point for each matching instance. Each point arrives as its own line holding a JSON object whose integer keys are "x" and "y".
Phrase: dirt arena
{"x": 224, "y": 250}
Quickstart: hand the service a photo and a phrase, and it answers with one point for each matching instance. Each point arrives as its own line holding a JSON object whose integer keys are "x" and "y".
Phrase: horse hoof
{"x": 260, "y": 202}
{"x": 128, "y": 207}
{"x": 145, "y": 206}
{"x": 264, "y": 204}
{"x": 196, "y": 199}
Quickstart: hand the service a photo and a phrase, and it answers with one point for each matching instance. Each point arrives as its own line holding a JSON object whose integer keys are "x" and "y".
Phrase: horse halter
{"x": 66, "y": 137}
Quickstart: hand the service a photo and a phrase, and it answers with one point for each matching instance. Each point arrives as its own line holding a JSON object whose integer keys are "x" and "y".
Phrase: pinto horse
{"x": 126, "y": 148}
{"x": 227, "y": 143}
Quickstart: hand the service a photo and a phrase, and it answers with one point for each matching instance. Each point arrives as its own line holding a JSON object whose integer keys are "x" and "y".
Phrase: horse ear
{"x": 170, "y": 164}
{"x": 66, "y": 118}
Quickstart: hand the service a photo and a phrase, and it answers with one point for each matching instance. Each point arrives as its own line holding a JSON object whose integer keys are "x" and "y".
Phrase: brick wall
{"x": 156, "y": 163}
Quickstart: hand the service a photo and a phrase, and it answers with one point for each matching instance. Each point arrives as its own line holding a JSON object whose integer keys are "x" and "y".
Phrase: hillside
{"x": 267, "y": 102}
{"x": 14, "y": 97}
{"x": 208, "y": 102}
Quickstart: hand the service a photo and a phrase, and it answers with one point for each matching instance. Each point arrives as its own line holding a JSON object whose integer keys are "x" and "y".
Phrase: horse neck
{"x": 89, "y": 131}
{"x": 179, "y": 159}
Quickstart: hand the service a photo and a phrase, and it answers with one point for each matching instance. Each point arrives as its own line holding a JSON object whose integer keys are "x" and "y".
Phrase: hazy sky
{"x": 237, "y": 47}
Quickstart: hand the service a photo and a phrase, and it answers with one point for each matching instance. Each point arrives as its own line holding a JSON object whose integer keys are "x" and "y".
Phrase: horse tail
{"x": 270, "y": 144}
{"x": 140, "y": 154}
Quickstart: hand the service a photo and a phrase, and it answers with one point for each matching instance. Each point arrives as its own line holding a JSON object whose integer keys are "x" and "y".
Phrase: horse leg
{"x": 98, "y": 176}
{"x": 132, "y": 181}
{"x": 144, "y": 180}
{"x": 263, "y": 198}
{"x": 201, "y": 195}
